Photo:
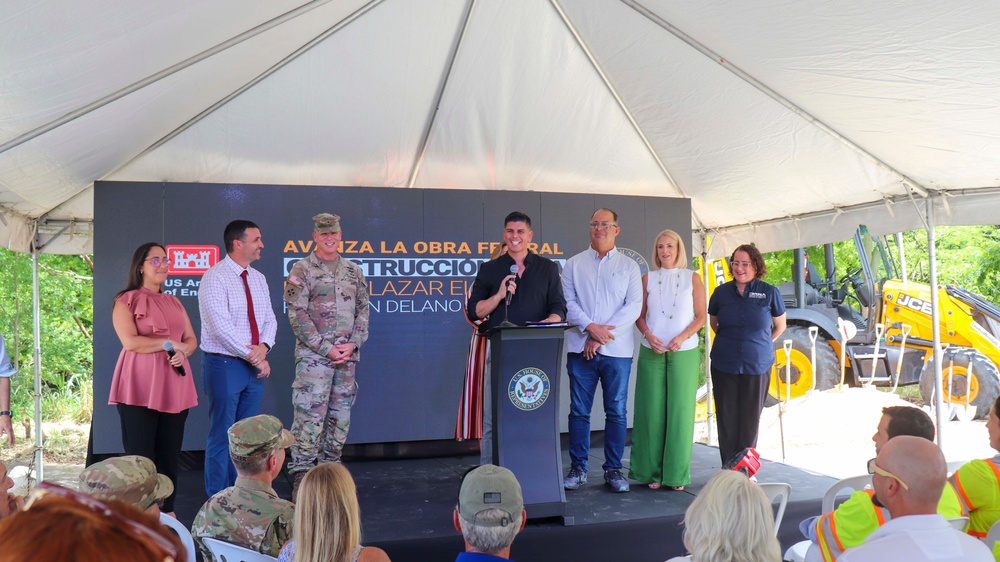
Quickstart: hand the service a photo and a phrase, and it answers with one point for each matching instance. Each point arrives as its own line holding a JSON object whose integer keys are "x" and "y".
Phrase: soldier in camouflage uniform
{"x": 327, "y": 299}
{"x": 250, "y": 513}
{"x": 131, "y": 479}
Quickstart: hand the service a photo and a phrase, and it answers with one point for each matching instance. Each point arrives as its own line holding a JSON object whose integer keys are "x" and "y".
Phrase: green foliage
{"x": 67, "y": 317}
{"x": 968, "y": 256}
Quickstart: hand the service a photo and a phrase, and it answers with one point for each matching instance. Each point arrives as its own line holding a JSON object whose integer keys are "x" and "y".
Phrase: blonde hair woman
{"x": 666, "y": 382}
{"x": 328, "y": 520}
{"x": 730, "y": 521}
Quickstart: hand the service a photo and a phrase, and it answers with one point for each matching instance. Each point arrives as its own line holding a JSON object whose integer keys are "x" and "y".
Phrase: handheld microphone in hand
{"x": 169, "y": 348}
{"x": 513, "y": 270}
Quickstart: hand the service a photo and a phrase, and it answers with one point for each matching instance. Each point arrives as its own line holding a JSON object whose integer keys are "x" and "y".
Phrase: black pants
{"x": 158, "y": 437}
{"x": 739, "y": 400}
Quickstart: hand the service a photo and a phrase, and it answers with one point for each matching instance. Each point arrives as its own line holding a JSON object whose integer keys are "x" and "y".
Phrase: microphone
{"x": 169, "y": 348}
{"x": 513, "y": 270}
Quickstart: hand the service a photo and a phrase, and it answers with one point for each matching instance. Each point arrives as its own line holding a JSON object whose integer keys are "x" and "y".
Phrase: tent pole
{"x": 36, "y": 320}
{"x": 935, "y": 324}
{"x": 708, "y": 340}
{"x": 902, "y": 255}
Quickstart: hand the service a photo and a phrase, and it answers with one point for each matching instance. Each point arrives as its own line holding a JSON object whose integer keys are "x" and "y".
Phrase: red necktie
{"x": 254, "y": 332}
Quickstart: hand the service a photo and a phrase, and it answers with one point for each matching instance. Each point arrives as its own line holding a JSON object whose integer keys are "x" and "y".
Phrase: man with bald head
{"x": 908, "y": 476}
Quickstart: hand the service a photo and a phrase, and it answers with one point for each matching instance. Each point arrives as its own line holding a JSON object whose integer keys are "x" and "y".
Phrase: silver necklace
{"x": 677, "y": 287}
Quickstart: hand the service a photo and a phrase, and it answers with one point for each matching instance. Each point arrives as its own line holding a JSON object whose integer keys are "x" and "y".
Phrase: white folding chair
{"x": 182, "y": 532}
{"x": 226, "y": 552}
{"x": 959, "y": 523}
{"x": 993, "y": 535}
{"x": 777, "y": 492}
{"x": 854, "y": 483}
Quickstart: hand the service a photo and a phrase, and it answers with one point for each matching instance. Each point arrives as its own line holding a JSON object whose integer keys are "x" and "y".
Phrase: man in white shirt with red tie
{"x": 237, "y": 331}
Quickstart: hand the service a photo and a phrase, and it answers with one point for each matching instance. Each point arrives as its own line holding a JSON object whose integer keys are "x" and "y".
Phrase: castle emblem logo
{"x": 528, "y": 389}
{"x": 191, "y": 259}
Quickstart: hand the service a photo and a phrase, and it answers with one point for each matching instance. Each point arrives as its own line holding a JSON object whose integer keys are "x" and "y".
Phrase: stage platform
{"x": 406, "y": 509}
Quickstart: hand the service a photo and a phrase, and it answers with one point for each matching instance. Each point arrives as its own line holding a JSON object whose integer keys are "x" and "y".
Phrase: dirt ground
{"x": 831, "y": 432}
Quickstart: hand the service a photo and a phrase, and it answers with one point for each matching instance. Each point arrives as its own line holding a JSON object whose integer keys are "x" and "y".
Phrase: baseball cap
{"x": 490, "y": 487}
{"x": 258, "y": 435}
{"x": 131, "y": 479}
{"x": 326, "y": 222}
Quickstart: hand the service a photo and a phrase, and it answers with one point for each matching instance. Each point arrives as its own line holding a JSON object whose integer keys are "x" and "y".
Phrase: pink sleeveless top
{"x": 147, "y": 379}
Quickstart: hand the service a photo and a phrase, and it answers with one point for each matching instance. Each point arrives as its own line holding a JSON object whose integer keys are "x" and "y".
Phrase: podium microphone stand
{"x": 525, "y": 364}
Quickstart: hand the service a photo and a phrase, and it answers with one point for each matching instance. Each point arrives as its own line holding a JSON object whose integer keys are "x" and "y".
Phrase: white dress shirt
{"x": 222, "y": 300}
{"x": 6, "y": 368}
{"x": 602, "y": 291}
{"x": 918, "y": 538}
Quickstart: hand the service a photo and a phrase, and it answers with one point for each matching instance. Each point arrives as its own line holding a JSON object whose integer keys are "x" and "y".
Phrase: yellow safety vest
{"x": 851, "y": 523}
{"x": 978, "y": 486}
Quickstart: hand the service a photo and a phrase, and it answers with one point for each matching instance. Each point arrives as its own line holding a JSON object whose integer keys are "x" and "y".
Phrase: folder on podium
{"x": 524, "y": 367}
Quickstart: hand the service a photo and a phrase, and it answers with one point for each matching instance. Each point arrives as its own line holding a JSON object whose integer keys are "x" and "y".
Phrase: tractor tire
{"x": 827, "y": 365}
{"x": 983, "y": 389}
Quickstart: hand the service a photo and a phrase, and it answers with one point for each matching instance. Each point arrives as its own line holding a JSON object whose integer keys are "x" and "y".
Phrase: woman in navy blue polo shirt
{"x": 747, "y": 315}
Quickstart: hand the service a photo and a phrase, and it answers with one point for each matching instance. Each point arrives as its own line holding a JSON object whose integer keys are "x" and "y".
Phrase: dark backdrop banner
{"x": 419, "y": 248}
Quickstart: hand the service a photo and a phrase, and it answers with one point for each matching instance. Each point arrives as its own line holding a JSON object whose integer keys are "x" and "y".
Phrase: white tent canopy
{"x": 786, "y": 123}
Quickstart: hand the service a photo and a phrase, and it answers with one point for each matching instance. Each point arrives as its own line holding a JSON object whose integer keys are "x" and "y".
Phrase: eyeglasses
{"x": 157, "y": 262}
{"x": 740, "y": 263}
{"x": 137, "y": 529}
{"x": 603, "y": 225}
{"x": 875, "y": 469}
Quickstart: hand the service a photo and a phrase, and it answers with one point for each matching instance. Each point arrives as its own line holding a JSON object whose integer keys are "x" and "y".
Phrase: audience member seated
{"x": 62, "y": 524}
{"x": 9, "y": 503}
{"x": 250, "y": 513}
{"x": 908, "y": 476}
{"x": 978, "y": 484}
{"x": 328, "y": 520}
{"x": 731, "y": 520}
{"x": 131, "y": 479}
{"x": 848, "y": 525}
{"x": 490, "y": 513}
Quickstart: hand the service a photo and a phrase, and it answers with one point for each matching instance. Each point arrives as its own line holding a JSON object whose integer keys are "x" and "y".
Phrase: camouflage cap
{"x": 490, "y": 487}
{"x": 131, "y": 479}
{"x": 258, "y": 436}
{"x": 325, "y": 222}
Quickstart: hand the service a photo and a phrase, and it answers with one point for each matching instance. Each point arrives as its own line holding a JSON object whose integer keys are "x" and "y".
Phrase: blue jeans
{"x": 234, "y": 392}
{"x": 612, "y": 373}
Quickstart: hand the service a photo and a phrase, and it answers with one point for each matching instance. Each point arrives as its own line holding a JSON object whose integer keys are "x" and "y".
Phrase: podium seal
{"x": 528, "y": 389}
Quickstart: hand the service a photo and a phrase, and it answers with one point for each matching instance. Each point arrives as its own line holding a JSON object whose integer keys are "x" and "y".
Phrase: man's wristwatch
{"x": 7, "y": 413}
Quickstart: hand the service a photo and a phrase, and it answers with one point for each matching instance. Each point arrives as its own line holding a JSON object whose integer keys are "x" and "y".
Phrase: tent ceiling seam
{"x": 253, "y": 82}
{"x": 436, "y": 108}
{"x": 768, "y": 91}
{"x": 135, "y": 86}
{"x": 837, "y": 211}
{"x": 621, "y": 103}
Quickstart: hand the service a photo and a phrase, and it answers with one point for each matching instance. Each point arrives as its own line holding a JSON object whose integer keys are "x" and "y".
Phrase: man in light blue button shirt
{"x": 603, "y": 290}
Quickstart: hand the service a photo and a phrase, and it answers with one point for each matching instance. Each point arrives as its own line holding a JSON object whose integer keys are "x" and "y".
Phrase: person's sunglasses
{"x": 876, "y": 469}
{"x": 135, "y": 528}
{"x": 157, "y": 262}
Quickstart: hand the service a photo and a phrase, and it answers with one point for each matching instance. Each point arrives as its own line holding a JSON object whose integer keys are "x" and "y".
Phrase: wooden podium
{"x": 524, "y": 373}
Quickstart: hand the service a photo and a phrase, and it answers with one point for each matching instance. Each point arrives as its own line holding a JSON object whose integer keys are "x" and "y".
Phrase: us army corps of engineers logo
{"x": 528, "y": 389}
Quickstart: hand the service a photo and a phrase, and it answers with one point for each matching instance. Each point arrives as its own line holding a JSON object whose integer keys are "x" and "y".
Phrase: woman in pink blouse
{"x": 153, "y": 390}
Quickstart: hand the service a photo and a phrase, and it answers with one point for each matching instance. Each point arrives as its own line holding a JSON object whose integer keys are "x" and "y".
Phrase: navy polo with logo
{"x": 743, "y": 343}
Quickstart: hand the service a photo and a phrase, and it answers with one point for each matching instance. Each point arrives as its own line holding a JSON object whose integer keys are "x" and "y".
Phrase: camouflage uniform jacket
{"x": 249, "y": 514}
{"x": 325, "y": 307}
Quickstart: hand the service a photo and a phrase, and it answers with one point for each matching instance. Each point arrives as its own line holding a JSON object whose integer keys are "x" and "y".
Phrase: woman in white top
{"x": 673, "y": 310}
